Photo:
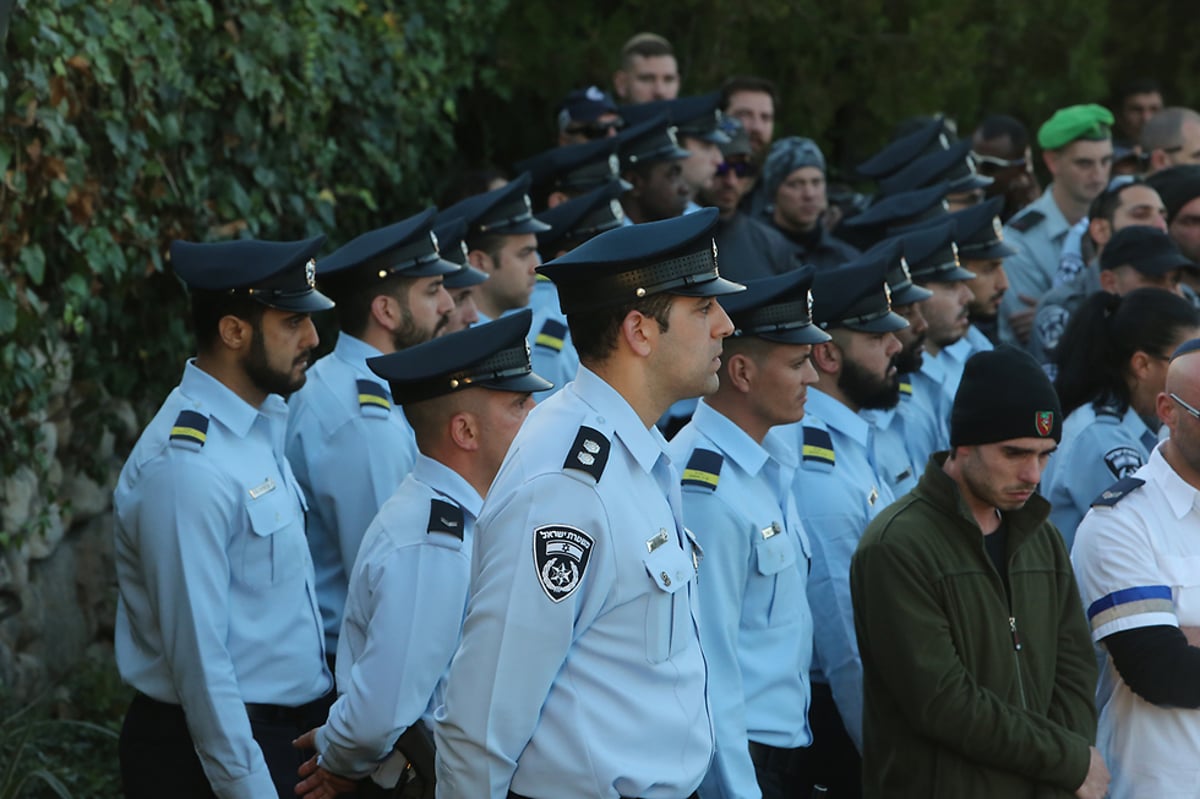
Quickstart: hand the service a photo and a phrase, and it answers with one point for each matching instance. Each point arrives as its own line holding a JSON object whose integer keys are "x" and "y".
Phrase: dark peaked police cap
{"x": 278, "y": 274}
{"x": 673, "y": 256}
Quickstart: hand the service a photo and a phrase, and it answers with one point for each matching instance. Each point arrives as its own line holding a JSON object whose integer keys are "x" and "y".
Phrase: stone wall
{"x": 58, "y": 583}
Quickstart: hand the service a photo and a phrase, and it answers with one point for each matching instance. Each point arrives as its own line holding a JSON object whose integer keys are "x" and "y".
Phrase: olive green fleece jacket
{"x": 956, "y": 704}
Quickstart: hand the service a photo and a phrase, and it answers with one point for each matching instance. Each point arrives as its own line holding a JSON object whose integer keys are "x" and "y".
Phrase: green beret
{"x": 1075, "y": 122}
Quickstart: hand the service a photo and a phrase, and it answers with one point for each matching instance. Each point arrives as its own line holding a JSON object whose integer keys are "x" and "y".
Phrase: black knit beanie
{"x": 1004, "y": 394}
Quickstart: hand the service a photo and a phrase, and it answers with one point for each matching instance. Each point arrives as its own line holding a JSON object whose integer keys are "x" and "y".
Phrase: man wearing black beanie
{"x": 978, "y": 669}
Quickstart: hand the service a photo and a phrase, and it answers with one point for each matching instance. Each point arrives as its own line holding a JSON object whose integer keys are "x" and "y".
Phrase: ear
{"x": 556, "y": 199}
{"x": 1166, "y": 409}
{"x": 385, "y": 311}
{"x": 235, "y": 333}
{"x": 464, "y": 431}
{"x": 1140, "y": 364}
{"x": 1050, "y": 159}
{"x": 620, "y": 80}
{"x": 1100, "y": 230}
{"x": 1108, "y": 280}
{"x": 481, "y": 260}
{"x": 634, "y": 179}
{"x": 741, "y": 371}
{"x": 827, "y": 357}
{"x": 639, "y": 332}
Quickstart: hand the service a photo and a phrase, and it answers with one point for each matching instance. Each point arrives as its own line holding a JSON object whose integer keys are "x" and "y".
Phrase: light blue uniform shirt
{"x": 216, "y": 605}
{"x": 925, "y": 430}
{"x": 580, "y": 674}
{"x": 929, "y": 388}
{"x": 837, "y": 500}
{"x": 350, "y": 447}
{"x": 894, "y": 464}
{"x": 954, "y": 360}
{"x": 1039, "y": 248}
{"x": 756, "y": 627}
{"x": 408, "y": 595}
{"x": 1099, "y": 446}
{"x": 551, "y": 352}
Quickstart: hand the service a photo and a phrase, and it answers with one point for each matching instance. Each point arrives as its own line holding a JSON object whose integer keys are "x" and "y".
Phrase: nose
{"x": 808, "y": 373}
{"x": 1001, "y": 279}
{"x": 1160, "y": 222}
{"x": 892, "y": 344}
{"x": 445, "y": 301}
{"x": 310, "y": 338}
{"x": 1031, "y": 471}
{"x": 721, "y": 323}
{"x": 470, "y": 313}
{"x": 964, "y": 293}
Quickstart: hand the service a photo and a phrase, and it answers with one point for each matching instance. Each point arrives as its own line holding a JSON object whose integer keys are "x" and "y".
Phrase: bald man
{"x": 1137, "y": 558}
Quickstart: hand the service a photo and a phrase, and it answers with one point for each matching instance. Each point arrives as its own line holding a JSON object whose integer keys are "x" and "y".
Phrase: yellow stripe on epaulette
{"x": 189, "y": 433}
{"x": 372, "y": 394}
{"x": 703, "y": 469}
{"x": 552, "y": 335}
{"x": 906, "y": 388}
{"x": 191, "y": 427}
{"x": 545, "y": 340}
{"x": 819, "y": 454}
{"x": 818, "y": 446}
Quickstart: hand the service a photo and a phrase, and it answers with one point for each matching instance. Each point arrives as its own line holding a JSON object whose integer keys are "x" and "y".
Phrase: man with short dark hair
{"x": 580, "y": 669}
{"x": 1135, "y": 104}
{"x": 585, "y": 115}
{"x": 753, "y": 101}
{"x": 217, "y": 628}
{"x": 793, "y": 185}
{"x": 648, "y": 70}
{"x": 978, "y": 674}
{"x": 348, "y": 443}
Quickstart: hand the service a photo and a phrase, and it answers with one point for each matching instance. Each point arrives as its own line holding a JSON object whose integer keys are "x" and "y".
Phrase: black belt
{"x": 299, "y": 715}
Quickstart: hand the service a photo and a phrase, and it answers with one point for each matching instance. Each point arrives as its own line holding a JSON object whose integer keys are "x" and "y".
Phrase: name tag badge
{"x": 265, "y": 487}
{"x": 656, "y": 541}
{"x": 772, "y": 531}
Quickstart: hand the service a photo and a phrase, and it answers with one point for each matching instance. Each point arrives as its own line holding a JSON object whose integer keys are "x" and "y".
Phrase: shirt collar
{"x": 1056, "y": 224}
{"x": 838, "y": 416}
{"x": 444, "y": 480}
{"x": 213, "y": 398}
{"x": 1180, "y": 496}
{"x": 355, "y": 352}
{"x": 933, "y": 368}
{"x": 732, "y": 440}
{"x": 614, "y": 411}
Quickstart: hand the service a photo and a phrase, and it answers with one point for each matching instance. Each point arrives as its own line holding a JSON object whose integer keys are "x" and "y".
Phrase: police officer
{"x": 1135, "y": 557}
{"x": 571, "y": 224}
{"x": 956, "y": 165}
{"x": 652, "y": 165}
{"x": 217, "y": 626}
{"x": 459, "y": 285}
{"x": 348, "y": 442}
{"x": 932, "y": 136}
{"x": 563, "y": 173}
{"x": 981, "y": 251}
{"x": 501, "y": 244}
{"x": 465, "y": 394}
{"x": 756, "y": 627}
{"x": 580, "y": 672}
{"x": 891, "y": 214}
{"x": 1115, "y": 353}
{"x": 1077, "y": 150}
{"x": 898, "y": 435}
{"x": 838, "y": 492}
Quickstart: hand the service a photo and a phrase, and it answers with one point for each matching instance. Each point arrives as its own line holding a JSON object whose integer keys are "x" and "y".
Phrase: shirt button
{"x": 666, "y": 578}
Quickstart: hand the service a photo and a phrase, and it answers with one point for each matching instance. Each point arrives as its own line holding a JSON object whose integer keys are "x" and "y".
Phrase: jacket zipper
{"x": 1016, "y": 640}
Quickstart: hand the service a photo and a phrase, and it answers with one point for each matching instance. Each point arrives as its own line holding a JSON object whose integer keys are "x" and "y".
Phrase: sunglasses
{"x": 740, "y": 168}
{"x": 991, "y": 164}
{"x": 596, "y": 130}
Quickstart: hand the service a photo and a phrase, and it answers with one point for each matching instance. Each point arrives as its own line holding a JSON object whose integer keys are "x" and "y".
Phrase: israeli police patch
{"x": 1122, "y": 461}
{"x": 560, "y": 555}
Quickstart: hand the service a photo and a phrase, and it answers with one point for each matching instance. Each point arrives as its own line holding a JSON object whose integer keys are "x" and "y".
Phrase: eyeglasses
{"x": 596, "y": 130}
{"x": 740, "y": 168}
{"x": 1184, "y": 405}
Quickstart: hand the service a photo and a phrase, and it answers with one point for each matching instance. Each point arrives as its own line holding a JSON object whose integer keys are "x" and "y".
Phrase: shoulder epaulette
{"x": 552, "y": 335}
{"x": 906, "y": 387}
{"x": 446, "y": 517}
{"x": 190, "y": 430}
{"x": 1026, "y": 222}
{"x": 589, "y": 453}
{"x": 1109, "y": 409}
{"x": 703, "y": 469}
{"x": 818, "y": 446}
{"x": 373, "y": 395}
{"x": 1117, "y": 491}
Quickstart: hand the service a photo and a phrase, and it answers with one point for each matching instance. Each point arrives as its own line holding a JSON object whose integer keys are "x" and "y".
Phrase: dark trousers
{"x": 779, "y": 772}
{"x": 158, "y": 758}
{"x": 832, "y": 760}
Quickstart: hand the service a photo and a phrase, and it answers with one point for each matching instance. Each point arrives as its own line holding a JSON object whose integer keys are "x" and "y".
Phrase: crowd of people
{"x": 665, "y": 465}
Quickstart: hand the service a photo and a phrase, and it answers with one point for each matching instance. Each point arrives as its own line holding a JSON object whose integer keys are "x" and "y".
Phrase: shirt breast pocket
{"x": 1182, "y": 574}
{"x": 775, "y": 559}
{"x": 668, "y": 616}
{"x": 272, "y": 551}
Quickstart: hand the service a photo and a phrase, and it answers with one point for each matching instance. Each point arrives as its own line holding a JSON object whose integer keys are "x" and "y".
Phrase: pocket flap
{"x": 669, "y": 567}
{"x": 272, "y": 512}
{"x": 774, "y": 554}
